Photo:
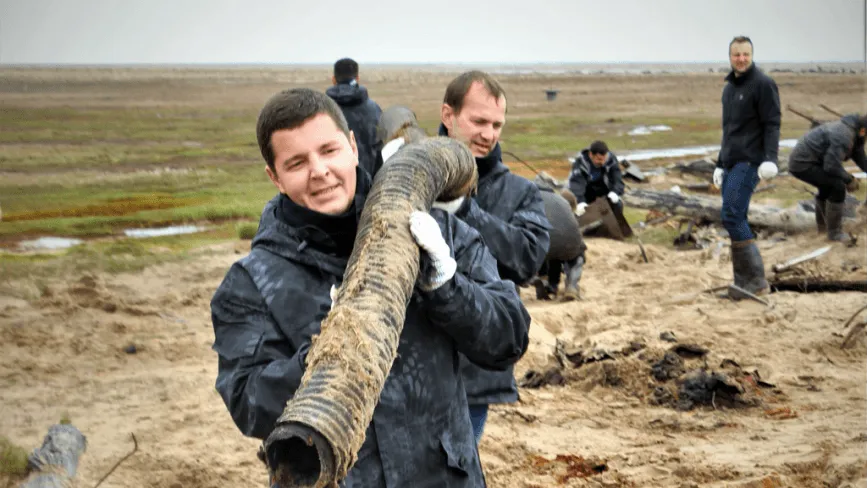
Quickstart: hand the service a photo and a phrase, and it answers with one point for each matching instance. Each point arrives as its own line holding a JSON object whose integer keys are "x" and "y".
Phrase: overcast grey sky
{"x": 437, "y": 31}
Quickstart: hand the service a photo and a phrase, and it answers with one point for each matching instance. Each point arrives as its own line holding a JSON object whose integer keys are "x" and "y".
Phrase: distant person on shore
{"x": 751, "y": 138}
{"x": 361, "y": 112}
{"x": 596, "y": 173}
{"x": 818, "y": 158}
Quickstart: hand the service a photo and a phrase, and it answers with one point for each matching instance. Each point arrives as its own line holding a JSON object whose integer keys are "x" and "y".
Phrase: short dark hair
{"x": 598, "y": 147}
{"x": 740, "y": 39}
{"x": 345, "y": 69}
{"x": 289, "y": 109}
{"x": 458, "y": 88}
{"x": 862, "y": 121}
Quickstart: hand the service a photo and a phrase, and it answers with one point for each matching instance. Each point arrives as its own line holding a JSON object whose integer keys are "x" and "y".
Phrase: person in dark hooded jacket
{"x": 596, "y": 173}
{"x": 270, "y": 305}
{"x": 361, "y": 112}
{"x": 507, "y": 211}
{"x": 818, "y": 158}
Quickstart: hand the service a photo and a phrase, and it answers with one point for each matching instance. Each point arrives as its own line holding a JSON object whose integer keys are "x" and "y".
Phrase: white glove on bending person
{"x": 580, "y": 209}
{"x": 613, "y": 197}
{"x": 427, "y": 235}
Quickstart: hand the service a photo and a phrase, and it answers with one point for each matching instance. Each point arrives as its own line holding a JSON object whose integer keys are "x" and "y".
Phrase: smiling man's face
{"x": 314, "y": 165}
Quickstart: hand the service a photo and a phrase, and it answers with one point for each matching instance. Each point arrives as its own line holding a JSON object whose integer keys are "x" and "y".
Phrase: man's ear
{"x": 353, "y": 145}
{"x": 273, "y": 177}
{"x": 333, "y": 80}
{"x": 447, "y": 116}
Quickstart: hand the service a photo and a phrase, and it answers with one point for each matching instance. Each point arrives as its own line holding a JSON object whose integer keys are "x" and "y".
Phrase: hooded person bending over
{"x": 271, "y": 303}
{"x": 818, "y": 158}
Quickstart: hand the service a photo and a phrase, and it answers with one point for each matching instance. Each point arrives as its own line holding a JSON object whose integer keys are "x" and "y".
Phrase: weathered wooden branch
{"x": 792, "y": 220}
{"x": 54, "y": 464}
{"x": 815, "y": 285}
{"x": 829, "y": 109}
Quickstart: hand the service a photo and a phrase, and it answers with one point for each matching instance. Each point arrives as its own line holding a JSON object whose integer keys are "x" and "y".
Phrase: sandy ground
{"x": 610, "y": 424}
{"x": 64, "y": 355}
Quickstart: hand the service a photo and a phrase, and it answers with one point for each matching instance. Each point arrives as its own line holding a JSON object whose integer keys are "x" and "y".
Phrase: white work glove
{"x": 427, "y": 235}
{"x": 613, "y": 197}
{"x": 767, "y": 170}
{"x": 580, "y": 209}
{"x": 333, "y": 295}
{"x": 718, "y": 177}
{"x": 450, "y": 207}
{"x": 389, "y": 149}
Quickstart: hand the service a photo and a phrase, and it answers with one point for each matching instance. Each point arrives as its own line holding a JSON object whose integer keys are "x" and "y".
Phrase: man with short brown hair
{"x": 750, "y": 142}
{"x": 507, "y": 211}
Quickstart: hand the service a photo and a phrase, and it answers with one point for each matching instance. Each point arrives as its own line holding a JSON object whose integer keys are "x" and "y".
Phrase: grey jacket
{"x": 828, "y": 145}
{"x": 271, "y": 303}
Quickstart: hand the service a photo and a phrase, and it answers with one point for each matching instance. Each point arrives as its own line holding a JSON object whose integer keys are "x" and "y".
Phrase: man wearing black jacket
{"x": 507, "y": 211}
{"x": 269, "y": 307}
{"x": 751, "y": 138}
{"x": 818, "y": 158}
{"x": 361, "y": 112}
{"x": 596, "y": 173}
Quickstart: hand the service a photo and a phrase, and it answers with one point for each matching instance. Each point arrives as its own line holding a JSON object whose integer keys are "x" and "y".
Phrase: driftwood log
{"x": 54, "y": 464}
{"x": 317, "y": 438}
{"x": 792, "y": 220}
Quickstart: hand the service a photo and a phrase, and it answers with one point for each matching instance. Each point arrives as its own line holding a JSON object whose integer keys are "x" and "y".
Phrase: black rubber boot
{"x": 820, "y": 215}
{"x": 749, "y": 270}
{"x": 834, "y": 220}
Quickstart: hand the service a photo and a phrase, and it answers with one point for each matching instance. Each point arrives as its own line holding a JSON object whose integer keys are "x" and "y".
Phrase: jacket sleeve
{"x": 520, "y": 244}
{"x": 770, "y": 117}
{"x": 480, "y": 311}
{"x": 258, "y": 369}
{"x": 578, "y": 183}
{"x": 616, "y": 176}
{"x": 838, "y": 148}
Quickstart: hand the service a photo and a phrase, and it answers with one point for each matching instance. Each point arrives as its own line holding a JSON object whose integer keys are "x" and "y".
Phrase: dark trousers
{"x": 739, "y": 183}
{"x": 553, "y": 268}
{"x": 830, "y": 187}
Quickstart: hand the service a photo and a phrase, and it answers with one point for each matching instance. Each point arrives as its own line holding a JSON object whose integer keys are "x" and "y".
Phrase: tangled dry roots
{"x": 322, "y": 428}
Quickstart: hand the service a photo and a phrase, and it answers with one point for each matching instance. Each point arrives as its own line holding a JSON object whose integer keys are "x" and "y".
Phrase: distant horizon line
{"x": 437, "y": 63}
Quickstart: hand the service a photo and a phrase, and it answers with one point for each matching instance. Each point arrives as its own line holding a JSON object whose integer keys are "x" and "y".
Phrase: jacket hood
{"x": 347, "y": 93}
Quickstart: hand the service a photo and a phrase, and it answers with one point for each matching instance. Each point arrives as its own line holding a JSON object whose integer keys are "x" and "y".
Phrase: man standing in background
{"x": 751, "y": 138}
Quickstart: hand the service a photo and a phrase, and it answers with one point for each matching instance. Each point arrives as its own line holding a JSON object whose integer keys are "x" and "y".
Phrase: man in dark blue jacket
{"x": 818, "y": 158}
{"x": 596, "y": 173}
{"x": 751, "y": 138}
{"x": 507, "y": 211}
{"x": 270, "y": 304}
{"x": 361, "y": 112}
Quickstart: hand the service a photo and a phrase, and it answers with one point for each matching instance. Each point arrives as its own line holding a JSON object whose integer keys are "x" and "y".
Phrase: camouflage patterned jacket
{"x": 272, "y": 301}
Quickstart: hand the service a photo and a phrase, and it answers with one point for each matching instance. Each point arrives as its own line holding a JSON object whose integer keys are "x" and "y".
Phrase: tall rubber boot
{"x": 820, "y": 215}
{"x": 749, "y": 270}
{"x": 834, "y": 220}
